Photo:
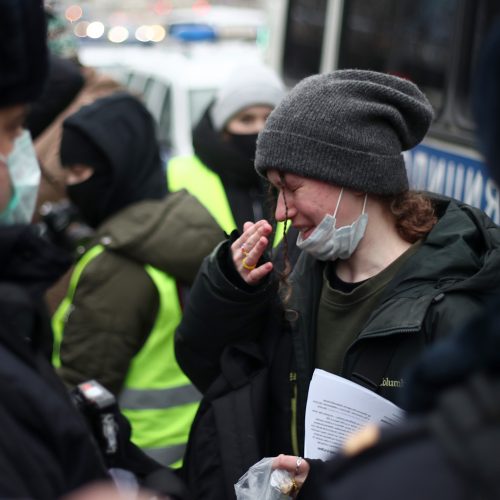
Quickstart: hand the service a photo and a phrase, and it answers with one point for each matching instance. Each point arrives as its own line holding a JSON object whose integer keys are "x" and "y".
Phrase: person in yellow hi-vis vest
{"x": 117, "y": 322}
{"x": 221, "y": 172}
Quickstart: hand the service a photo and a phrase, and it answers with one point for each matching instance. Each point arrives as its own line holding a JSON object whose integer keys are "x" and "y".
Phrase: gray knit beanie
{"x": 346, "y": 128}
{"x": 251, "y": 85}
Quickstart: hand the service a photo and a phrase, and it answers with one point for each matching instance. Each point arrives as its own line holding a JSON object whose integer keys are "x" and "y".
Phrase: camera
{"x": 99, "y": 407}
{"x": 61, "y": 225}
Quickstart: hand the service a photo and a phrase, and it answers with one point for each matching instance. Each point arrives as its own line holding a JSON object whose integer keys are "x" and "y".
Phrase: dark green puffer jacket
{"x": 441, "y": 286}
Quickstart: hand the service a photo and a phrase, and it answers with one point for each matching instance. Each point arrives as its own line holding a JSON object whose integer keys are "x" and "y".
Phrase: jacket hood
{"x": 124, "y": 132}
{"x": 173, "y": 234}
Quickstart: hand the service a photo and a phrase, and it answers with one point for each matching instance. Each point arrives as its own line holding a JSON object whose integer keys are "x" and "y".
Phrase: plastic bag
{"x": 261, "y": 482}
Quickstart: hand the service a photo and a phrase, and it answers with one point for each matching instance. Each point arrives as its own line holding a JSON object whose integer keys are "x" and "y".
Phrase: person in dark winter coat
{"x": 448, "y": 446}
{"x": 124, "y": 301}
{"x": 46, "y": 449}
{"x": 383, "y": 273}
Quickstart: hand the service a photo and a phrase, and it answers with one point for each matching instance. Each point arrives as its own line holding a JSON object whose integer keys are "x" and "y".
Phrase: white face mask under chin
{"x": 327, "y": 242}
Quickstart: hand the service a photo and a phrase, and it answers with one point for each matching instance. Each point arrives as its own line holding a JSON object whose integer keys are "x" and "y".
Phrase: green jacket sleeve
{"x": 113, "y": 311}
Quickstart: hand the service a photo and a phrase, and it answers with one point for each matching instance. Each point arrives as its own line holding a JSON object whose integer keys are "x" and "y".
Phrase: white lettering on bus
{"x": 459, "y": 182}
{"x": 473, "y": 188}
{"x": 437, "y": 175}
{"x": 420, "y": 165}
{"x": 441, "y": 175}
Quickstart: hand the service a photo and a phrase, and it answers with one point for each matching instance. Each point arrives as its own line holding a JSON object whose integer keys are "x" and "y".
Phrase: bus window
{"x": 303, "y": 39}
{"x": 477, "y": 22}
{"x": 410, "y": 39}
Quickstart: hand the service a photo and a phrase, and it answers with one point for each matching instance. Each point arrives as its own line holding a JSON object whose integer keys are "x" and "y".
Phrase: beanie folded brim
{"x": 352, "y": 169}
{"x": 348, "y": 128}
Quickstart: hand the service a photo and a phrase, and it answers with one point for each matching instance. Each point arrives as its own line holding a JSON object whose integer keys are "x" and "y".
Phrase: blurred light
{"x": 118, "y": 34}
{"x": 143, "y": 33}
{"x": 95, "y": 29}
{"x": 162, "y": 7}
{"x": 201, "y": 7}
{"x": 158, "y": 34}
{"x": 73, "y": 13}
{"x": 155, "y": 33}
{"x": 81, "y": 29}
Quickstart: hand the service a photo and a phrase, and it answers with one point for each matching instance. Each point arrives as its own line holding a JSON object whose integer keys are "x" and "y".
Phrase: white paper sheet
{"x": 337, "y": 407}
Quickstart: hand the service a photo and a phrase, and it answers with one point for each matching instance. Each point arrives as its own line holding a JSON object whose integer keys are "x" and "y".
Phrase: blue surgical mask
{"x": 327, "y": 242}
{"x": 24, "y": 171}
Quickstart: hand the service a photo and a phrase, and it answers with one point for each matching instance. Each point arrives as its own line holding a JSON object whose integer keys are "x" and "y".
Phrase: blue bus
{"x": 433, "y": 43}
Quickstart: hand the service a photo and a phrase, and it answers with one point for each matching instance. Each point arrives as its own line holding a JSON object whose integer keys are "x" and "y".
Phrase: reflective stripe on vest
{"x": 157, "y": 398}
{"x": 188, "y": 172}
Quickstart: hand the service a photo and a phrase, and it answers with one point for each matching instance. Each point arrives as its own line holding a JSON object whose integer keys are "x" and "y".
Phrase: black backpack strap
{"x": 467, "y": 427}
{"x": 373, "y": 362}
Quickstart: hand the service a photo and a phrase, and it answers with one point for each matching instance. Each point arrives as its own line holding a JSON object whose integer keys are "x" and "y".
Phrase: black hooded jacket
{"x": 116, "y": 304}
{"x": 244, "y": 188}
{"x": 124, "y": 132}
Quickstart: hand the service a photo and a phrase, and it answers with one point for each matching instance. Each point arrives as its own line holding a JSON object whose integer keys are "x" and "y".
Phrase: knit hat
{"x": 346, "y": 128}
{"x": 23, "y": 51}
{"x": 486, "y": 100}
{"x": 246, "y": 86}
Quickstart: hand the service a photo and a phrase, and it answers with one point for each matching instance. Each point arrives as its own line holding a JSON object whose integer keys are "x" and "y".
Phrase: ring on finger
{"x": 294, "y": 488}
{"x": 297, "y": 465}
{"x": 246, "y": 266}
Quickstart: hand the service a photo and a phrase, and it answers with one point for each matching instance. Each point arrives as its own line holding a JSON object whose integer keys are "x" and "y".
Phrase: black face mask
{"x": 245, "y": 144}
{"x": 91, "y": 198}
